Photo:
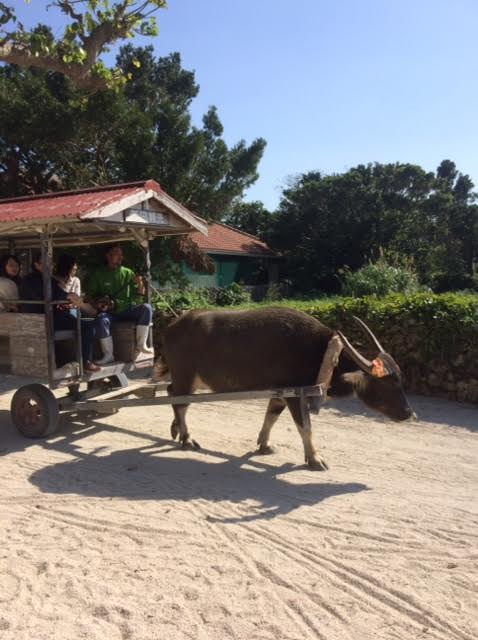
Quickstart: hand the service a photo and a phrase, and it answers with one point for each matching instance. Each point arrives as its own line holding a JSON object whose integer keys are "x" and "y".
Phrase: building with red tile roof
{"x": 238, "y": 257}
{"x": 224, "y": 240}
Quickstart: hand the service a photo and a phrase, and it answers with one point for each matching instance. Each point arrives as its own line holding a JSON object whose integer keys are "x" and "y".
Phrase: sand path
{"x": 109, "y": 531}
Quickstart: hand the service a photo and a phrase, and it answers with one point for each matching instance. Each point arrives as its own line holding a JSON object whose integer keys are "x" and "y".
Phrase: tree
{"x": 61, "y": 139}
{"x": 87, "y": 35}
{"x": 193, "y": 164}
{"x": 141, "y": 131}
{"x": 87, "y": 126}
{"x": 327, "y": 224}
{"x": 251, "y": 217}
{"x": 454, "y": 218}
{"x": 324, "y": 223}
{"x": 33, "y": 133}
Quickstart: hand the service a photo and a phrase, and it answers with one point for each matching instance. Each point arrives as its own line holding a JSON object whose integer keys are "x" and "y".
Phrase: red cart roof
{"x": 66, "y": 204}
{"x": 109, "y": 209}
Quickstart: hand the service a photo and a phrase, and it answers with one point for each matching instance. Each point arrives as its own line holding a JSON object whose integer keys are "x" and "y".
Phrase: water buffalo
{"x": 270, "y": 348}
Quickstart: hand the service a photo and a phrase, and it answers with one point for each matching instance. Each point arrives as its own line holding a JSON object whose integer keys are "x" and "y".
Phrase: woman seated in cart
{"x": 31, "y": 288}
{"x": 65, "y": 274}
{"x": 9, "y": 280}
{"x": 122, "y": 292}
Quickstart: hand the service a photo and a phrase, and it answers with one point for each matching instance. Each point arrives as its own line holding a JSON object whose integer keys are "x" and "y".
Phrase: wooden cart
{"x": 29, "y": 345}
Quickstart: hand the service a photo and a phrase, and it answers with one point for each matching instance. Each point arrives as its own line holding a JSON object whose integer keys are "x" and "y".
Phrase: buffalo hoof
{"x": 189, "y": 443}
{"x": 317, "y": 464}
{"x": 265, "y": 450}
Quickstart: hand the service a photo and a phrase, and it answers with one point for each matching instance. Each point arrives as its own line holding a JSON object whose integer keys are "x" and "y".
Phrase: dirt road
{"x": 109, "y": 531}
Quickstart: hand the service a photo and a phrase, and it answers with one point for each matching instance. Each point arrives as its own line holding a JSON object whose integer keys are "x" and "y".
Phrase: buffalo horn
{"x": 357, "y": 357}
{"x": 370, "y": 334}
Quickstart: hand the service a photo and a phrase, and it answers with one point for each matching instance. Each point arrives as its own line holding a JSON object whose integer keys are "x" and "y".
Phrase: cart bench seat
{"x": 64, "y": 334}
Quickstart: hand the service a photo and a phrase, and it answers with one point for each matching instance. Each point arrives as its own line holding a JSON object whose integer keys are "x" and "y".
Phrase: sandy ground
{"x": 109, "y": 531}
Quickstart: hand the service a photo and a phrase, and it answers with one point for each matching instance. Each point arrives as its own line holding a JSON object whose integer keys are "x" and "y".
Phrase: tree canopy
{"x": 327, "y": 223}
{"x": 66, "y": 139}
{"x": 251, "y": 217}
{"x": 87, "y": 35}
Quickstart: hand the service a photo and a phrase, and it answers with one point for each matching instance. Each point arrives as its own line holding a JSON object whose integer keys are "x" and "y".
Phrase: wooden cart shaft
{"x": 120, "y": 401}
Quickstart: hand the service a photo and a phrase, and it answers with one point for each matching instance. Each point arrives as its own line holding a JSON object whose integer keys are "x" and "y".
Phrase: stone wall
{"x": 449, "y": 370}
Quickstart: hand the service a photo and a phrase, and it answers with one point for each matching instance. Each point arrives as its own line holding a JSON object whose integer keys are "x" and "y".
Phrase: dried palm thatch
{"x": 183, "y": 248}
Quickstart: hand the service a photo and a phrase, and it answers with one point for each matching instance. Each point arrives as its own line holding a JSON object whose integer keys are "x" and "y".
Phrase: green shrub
{"x": 182, "y": 299}
{"x": 380, "y": 279}
{"x": 274, "y": 293}
{"x": 233, "y": 294}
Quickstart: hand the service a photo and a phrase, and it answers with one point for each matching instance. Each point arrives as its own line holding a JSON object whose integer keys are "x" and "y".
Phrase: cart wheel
{"x": 35, "y": 411}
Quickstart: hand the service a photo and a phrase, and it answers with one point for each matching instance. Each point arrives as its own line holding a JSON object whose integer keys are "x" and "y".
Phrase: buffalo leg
{"x": 275, "y": 407}
{"x": 179, "y": 426}
{"x": 312, "y": 457}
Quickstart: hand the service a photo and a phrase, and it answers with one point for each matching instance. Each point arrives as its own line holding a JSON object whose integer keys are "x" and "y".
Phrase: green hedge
{"x": 439, "y": 320}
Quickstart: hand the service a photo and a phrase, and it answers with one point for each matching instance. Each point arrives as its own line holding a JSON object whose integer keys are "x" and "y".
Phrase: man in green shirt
{"x": 127, "y": 290}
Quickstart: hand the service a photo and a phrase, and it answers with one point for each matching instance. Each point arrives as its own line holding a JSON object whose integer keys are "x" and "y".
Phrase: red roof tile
{"x": 69, "y": 204}
{"x": 223, "y": 239}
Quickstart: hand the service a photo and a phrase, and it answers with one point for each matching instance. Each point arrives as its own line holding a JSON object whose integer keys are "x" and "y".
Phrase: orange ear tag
{"x": 378, "y": 370}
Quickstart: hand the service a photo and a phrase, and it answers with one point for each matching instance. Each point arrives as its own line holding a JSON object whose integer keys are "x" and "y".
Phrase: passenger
{"x": 10, "y": 267}
{"x": 124, "y": 289}
{"x": 9, "y": 280}
{"x": 65, "y": 275}
{"x": 31, "y": 288}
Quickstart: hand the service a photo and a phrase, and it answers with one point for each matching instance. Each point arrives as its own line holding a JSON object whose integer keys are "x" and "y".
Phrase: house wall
{"x": 200, "y": 280}
{"x": 229, "y": 269}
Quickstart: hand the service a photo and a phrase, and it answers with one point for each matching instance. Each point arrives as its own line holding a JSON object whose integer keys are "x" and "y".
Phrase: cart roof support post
{"x": 142, "y": 238}
{"x": 47, "y": 257}
{"x": 79, "y": 345}
{"x": 147, "y": 262}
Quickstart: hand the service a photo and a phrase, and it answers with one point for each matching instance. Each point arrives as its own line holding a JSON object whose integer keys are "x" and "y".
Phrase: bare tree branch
{"x": 78, "y": 73}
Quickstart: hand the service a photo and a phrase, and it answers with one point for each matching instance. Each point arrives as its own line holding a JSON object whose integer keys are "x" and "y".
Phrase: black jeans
{"x": 65, "y": 321}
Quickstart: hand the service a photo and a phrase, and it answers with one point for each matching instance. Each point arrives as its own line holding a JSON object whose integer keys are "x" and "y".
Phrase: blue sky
{"x": 329, "y": 83}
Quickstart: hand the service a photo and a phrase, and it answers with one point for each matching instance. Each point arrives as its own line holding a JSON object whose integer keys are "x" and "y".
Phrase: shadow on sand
{"x": 434, "y": 410}
{"x": 161, "y": 471}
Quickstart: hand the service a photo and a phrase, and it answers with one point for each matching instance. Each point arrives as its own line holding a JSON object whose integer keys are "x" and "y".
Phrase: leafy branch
{"x": 93, "y": 26}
